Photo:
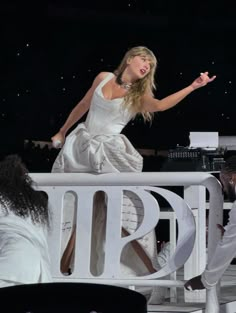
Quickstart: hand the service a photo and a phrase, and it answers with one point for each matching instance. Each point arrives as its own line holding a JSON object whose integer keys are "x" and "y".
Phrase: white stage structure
{"x": 189, "y": 211}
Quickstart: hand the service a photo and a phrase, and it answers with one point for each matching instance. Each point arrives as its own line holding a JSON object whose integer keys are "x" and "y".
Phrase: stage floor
{"x": 227, "y": 299}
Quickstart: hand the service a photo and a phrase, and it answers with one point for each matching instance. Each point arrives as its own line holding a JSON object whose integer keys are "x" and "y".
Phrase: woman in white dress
{"x": 97, "y": 145}
{"x": 24, "y": 221}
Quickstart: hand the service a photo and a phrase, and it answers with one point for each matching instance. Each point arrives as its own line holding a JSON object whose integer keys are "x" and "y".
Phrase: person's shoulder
{"x": 102, "y": 75}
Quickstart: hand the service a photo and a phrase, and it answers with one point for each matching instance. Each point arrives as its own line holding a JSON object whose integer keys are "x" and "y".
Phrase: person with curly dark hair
{"x": 24, "y": 222}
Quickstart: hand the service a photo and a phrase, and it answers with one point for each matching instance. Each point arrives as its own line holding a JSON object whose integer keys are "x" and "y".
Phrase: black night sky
{"x": 50, "y": 54}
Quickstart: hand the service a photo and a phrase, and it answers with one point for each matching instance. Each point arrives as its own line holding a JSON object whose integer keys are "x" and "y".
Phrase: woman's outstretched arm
{"x": 151, "y": 104}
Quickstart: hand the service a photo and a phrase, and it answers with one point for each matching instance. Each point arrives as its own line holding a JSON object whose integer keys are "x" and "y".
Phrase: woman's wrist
{"x": 62, "y": 131}
{"x": 191, "y": 88}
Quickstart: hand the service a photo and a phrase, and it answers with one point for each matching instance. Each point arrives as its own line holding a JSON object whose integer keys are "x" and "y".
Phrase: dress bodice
{"x": 106, "y": 116}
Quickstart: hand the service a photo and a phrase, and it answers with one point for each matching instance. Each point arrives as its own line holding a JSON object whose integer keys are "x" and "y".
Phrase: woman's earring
{"x": 231, "y": 182}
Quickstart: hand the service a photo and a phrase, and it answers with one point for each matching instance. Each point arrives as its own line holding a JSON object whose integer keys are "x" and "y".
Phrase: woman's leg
{"x": 68, "y": 253}
{"x": 141, "y": 253}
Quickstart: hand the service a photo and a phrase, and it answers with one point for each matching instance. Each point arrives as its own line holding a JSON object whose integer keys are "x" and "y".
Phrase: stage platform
{"x": 227, "y": 299}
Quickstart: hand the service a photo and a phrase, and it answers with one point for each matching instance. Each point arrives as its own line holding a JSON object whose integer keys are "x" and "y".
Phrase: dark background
{"x": 51, "y": 52}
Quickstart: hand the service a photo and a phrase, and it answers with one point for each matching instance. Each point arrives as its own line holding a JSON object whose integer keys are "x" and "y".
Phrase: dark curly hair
{"x": 17, "y": 193}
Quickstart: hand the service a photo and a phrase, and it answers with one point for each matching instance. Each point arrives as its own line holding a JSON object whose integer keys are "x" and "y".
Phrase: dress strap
{"x": 106, "y": 79}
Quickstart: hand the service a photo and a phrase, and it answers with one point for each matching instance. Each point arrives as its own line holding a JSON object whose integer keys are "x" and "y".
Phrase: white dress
{"x": 24, "y": 254}
{"x": 97, "y": 146}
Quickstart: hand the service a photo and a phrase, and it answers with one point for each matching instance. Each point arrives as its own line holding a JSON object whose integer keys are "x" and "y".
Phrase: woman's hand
{"x": 58, "y": 140}
{"x": 202, "y": 80}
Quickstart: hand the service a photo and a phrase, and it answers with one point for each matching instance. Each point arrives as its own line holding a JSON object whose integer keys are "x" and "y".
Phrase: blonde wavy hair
{"x": 132, "y": 100}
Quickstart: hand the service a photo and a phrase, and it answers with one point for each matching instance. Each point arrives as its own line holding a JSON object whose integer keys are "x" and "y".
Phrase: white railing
{"x": 56, "y": 185}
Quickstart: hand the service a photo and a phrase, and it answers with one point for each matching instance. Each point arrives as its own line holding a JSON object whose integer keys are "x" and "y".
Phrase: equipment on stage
{"x": 203, "y": 154}
{"x": 187, "y": 159}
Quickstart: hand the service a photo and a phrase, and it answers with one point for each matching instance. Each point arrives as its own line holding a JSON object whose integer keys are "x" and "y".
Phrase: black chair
{"x": 71, "y": 298}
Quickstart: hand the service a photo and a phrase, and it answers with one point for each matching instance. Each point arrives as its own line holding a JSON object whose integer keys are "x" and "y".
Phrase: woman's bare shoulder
{"x": 102, "y": 75}
{"x": 99, "y": 78}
